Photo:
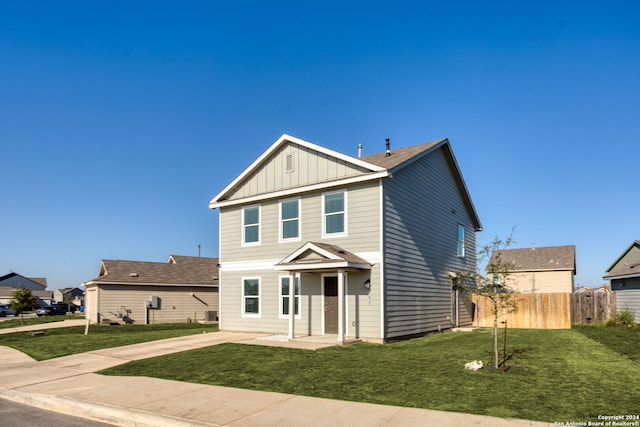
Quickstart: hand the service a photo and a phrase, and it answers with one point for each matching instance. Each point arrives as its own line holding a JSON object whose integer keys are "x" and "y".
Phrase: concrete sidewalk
{"x": 69, "y": 385}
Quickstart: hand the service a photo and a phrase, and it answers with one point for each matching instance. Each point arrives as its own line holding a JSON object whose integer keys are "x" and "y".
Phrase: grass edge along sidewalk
{"x": 60, "y": 342}
{"x": 552, "y": 376}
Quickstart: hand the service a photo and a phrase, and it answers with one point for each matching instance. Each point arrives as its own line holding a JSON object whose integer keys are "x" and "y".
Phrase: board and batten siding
{"x": 627, "y": 295}
{"x": 308, "y": 167}
{"x": 237, "y": 261}
{"x": 177, "y": 305}
{"x": 423, "y": 206}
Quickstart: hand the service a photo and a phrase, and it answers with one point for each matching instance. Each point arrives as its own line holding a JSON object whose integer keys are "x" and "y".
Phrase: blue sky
{"x": 120, "y": 120}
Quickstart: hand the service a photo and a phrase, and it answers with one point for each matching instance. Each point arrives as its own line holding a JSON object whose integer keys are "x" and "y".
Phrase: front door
{"x": 331, "y": 304}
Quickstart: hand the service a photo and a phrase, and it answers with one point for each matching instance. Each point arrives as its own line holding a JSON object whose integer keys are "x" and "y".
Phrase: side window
{"x": 251, "y": 225}
{"x": 461, "y": 241}
{"x": 334, "y": 214}
{"x": 251, "y": 297}
{"x": 290, "y": 220}
{"x": 284, "y": 297}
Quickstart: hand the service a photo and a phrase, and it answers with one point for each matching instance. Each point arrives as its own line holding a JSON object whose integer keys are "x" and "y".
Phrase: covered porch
{"x": 334, "y": 265}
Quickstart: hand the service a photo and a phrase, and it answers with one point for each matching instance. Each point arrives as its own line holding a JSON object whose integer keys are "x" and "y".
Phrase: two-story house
{"x": 356, "y": 247}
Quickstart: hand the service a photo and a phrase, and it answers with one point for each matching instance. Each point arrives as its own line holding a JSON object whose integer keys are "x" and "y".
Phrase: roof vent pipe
{"x": 388, "y": 147}
{"x": 359, "y": 150}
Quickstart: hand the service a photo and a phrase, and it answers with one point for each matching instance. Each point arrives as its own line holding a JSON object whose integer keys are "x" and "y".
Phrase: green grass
{"x": 553, "y": 375}
{"x": 71, "y": 340}
{"x": 16, "y": 322}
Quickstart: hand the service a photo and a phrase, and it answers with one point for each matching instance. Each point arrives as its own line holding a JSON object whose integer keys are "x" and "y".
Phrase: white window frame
{"x": 342, "y": 233}
{"x": 460, "y": 244}
{"x": 281, "y": 305}
{"x": 244, "y": 297}
{"x": 244, "y": 226}
{"x": 282, "y": 221}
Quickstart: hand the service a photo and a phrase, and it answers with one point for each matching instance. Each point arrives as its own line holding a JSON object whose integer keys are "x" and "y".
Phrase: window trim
{"x": 460, "y": 243}
{"x": 281, "y": 315}
{"x": 342, "y": 233}
{"x": 243, "y": 311}
{"x": 281, "y": 221}
{"x": 244, "y": 226}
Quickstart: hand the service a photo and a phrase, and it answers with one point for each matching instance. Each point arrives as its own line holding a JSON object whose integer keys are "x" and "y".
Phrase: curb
{"x": 97, "y": 412}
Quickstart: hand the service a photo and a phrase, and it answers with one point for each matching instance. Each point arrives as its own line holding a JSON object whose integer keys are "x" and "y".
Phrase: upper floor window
{"x": 251, "y": 297}
{"x": 290, "y": 220}
{"x": 251, "y": 225}
{"x": 284, "y": 297}
{"x": 460, "y": 240}
{"x": 334, "y": 213}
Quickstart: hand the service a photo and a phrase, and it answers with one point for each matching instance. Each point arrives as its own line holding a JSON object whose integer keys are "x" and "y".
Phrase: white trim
{"x": 382, "y": 301}
{"x": 280, "y": 221}
{"x": 283, "y": 139}
{"x": 345, "y": 231}
{"x": 244, "y": 242}
{"x": 299, "y": 190}
{"x": 243, "y": 313}
{"x": 265, "y": 264}
{"x": 321, "y": 265}
{"x": 280, "y": 295}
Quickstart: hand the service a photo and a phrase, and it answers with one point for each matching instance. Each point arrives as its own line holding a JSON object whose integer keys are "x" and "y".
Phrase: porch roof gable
{"x": 321, "y": 256}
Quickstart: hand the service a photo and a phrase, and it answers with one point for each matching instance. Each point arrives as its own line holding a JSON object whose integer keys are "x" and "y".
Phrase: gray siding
{"x": 309, "y": 167}
{"x": 363, "y": 238}
{"x": 423, "y": 206}
{"x": 627, "y": 295}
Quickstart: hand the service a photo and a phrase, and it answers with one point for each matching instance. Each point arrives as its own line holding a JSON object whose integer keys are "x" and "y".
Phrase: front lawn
{"x": 17, "y": 321}
{"x": 71, "y": 340}
{"x": 553, "y": 375}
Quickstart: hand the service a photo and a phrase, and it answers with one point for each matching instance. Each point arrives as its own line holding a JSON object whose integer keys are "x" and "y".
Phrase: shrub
{"x": 622, "y": 318}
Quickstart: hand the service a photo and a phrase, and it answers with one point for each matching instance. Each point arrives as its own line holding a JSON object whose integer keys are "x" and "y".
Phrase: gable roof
{"x": 37, "y": 281}
{"x": 179, "y": 270}
{"x": 318, "y": 256}
{"x": 377, "y": 165}
{"x": 630, "y": 269}
{"x": 550, "y": 258}
{"x": 221, "y": 199}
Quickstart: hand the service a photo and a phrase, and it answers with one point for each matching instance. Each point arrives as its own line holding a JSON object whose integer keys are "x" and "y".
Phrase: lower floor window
{"x": 251, "y": 296}
{"x": 284, "y": 296}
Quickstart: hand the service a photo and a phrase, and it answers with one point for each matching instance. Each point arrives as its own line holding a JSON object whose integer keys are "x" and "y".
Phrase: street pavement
{"x": 70, "y": 385}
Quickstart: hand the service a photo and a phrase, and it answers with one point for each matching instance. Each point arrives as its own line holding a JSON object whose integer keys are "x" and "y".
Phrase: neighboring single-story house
{"x": 317, "y": 242}
{"x": 550, "y": 269}
{"x": 38, "y": 285}
{"x": 624, "y": 275}
{"x": 44, "y": 297}
{"x": 184, "y": 289}
{"x": 73, "y": 295}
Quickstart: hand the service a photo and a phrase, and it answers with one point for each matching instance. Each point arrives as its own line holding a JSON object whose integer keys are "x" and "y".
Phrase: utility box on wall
{"x": 154, "y": 303}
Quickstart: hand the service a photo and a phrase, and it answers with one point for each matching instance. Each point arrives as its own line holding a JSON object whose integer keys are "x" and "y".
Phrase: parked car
{"x": 52, "y": 309}
{"x": 5, "y": 310}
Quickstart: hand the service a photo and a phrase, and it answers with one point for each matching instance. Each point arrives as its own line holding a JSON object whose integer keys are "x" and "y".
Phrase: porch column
{"x": 341, "y": 306}
{"x": 292, "y": 305}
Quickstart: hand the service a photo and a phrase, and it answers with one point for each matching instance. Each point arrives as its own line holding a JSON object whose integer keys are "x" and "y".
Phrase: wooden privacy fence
{"x": 535, "y": 311}
{"x": 592, "y": 307}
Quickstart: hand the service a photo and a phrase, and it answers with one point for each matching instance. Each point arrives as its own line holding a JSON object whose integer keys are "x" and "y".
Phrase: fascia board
{"x": 281, "y": 140}
{"x": 298, "y": 190}
{"x": 309, "y": 246}
{"x": 200, "y": 285}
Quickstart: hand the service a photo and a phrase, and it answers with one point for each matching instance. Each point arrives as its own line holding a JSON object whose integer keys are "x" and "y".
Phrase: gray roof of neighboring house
{"x": 538, "y": 259}
{"x": 179, "y": 270}
{"x": 628, "y": 270}
{"x": 7, "y": 291}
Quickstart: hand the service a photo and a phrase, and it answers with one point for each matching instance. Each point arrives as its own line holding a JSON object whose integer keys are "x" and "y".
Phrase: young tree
{"x": 495, "y": 286}
{"x": 21, "y": 300}
{"x": 68, "y": 299}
